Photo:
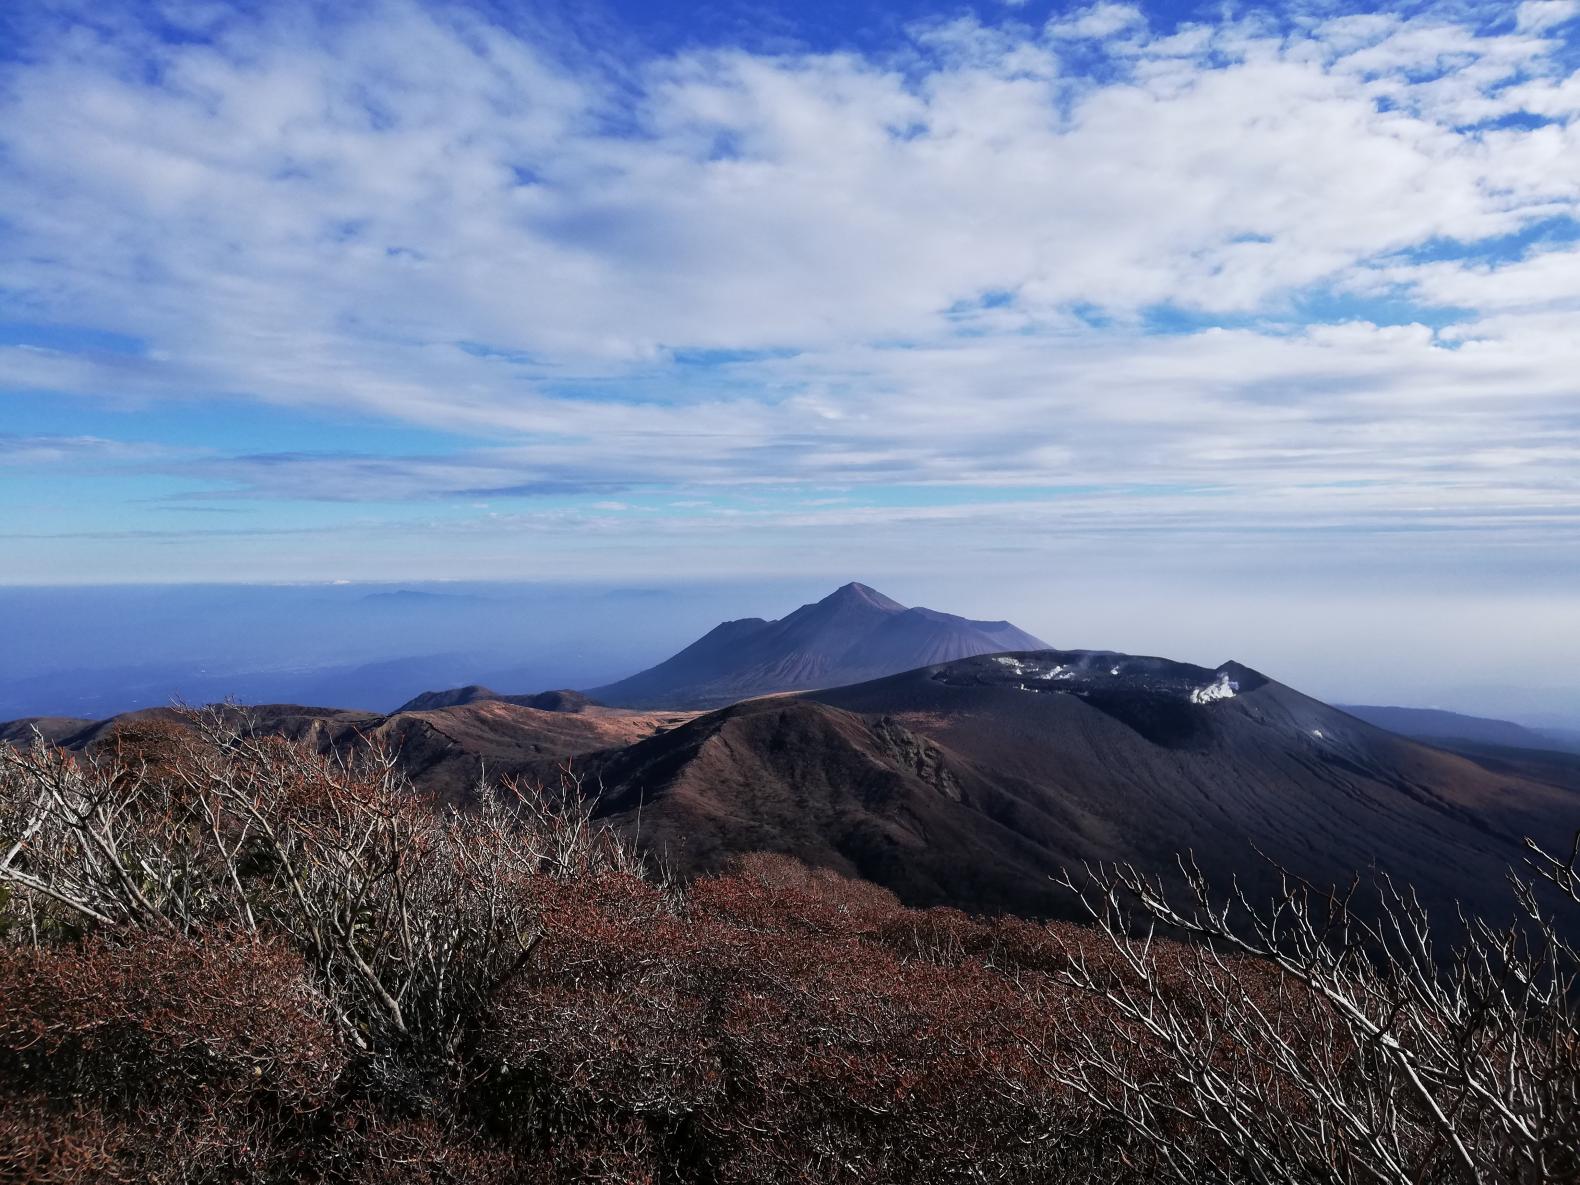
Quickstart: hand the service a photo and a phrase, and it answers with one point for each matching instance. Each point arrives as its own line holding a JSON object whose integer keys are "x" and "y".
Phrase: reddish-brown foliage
{"x": 241, "y": 963}
{"x": 774, "y": 1031}
{"x": 167, "y": 1015}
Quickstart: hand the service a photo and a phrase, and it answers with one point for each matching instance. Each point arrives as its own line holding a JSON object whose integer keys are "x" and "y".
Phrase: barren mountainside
{"x": 446, "y": 750}
{"x": 973, "y": 782}
{"x": 970, "y": 783}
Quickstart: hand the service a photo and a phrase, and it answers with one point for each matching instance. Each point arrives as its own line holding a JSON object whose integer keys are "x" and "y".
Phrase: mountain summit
{"x": 853, "y": 634}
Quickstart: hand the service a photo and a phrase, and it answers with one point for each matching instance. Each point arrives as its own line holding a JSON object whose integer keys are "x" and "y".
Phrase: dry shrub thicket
{"x": 226, "y": 958}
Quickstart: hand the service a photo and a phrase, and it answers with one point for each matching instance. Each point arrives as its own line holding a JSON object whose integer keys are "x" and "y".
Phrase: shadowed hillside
{"x": 971, "y": 783}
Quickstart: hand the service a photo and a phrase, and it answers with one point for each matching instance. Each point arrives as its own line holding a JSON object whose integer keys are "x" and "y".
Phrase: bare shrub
{"x": 1307, "y": 1042}
{"x": 227, "y": 957}
{"x": 767, "y": 1033}
{"x": 410, "y": 912}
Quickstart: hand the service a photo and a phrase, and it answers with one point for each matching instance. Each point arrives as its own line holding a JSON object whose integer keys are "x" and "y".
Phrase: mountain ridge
{"x": 1451, "y": 729}
{"x": 561, "y": 700}
{"x": 970, "y": 783}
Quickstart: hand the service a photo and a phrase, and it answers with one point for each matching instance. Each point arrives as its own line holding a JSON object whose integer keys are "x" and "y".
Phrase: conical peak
{"x": 857, "y": 593}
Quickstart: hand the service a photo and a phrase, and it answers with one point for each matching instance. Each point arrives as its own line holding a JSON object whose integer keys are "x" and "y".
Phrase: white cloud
{"x": 1536, "y": 16}
{"x": 1544, "y": 279}
{"x": 934, "y": 267}
{"x": 1098, "y": 22}
{"x": 38, "y": 451}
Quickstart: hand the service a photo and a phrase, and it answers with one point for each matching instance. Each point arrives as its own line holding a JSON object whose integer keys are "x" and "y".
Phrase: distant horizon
{"x": 79, "y": 643}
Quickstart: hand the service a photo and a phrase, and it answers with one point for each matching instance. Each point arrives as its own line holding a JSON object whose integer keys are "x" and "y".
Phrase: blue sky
{"x": 1209, "y": 298}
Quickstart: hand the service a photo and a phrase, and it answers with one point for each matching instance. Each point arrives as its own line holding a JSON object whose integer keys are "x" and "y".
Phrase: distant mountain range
{"x": 1455, "y": 729}
{"x": 972, "y": 782}
{"x": 964, "y": 763}
{"x": 857, "y": 634}
{"x": 852, "y": 634}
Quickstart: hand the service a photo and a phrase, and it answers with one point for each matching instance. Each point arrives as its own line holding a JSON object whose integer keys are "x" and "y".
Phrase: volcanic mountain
{"x": 973, "y": 782}
{"x": 854, "y": 633}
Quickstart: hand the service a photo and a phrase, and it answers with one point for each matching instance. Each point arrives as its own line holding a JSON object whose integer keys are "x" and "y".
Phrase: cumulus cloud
{"x": 1533, "y": 16}
{"x": 1273, "y": 266}
{"x": 1097, "y": 22}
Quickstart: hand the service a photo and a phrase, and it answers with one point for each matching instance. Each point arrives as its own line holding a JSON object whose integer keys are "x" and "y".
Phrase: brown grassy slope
{"x": 836, "y": 790}
{"x": 446, "y": 750}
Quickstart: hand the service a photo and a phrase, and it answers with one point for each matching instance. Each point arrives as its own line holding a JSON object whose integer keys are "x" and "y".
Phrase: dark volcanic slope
{"x": 855, "y": 633}
{"x": 867, "y": 797}
{"x": 454, "y": 697}
{"x": 971, "y": 782}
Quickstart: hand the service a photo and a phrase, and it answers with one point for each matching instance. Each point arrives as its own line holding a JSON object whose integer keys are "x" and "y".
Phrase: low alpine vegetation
{"x": 225, "y": 957}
